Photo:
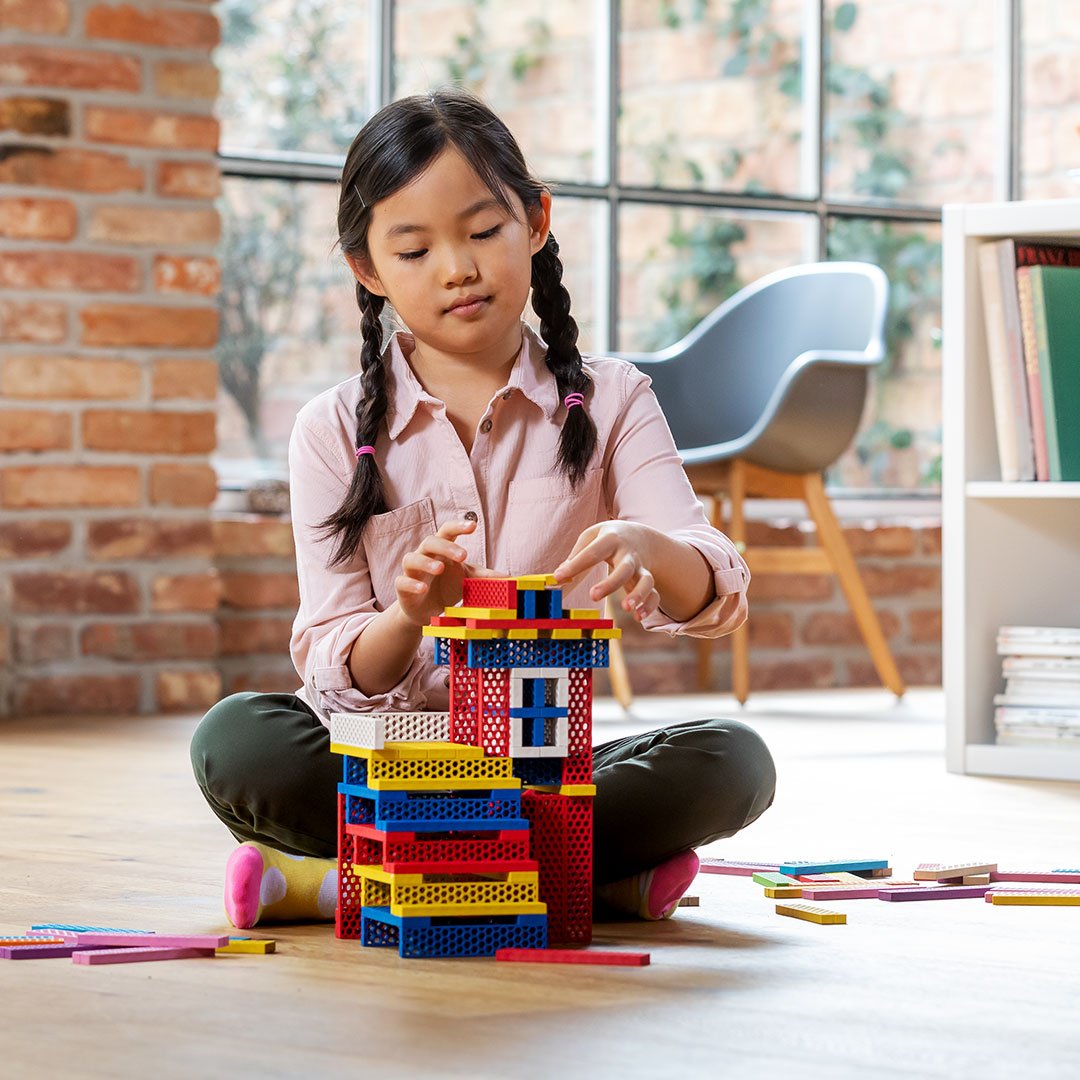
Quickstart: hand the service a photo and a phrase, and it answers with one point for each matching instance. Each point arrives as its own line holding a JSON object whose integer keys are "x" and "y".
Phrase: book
{"x": 1005, "y": 352}
{"x": 1055, "y": 293}
{"x": 1034, "y": 253}
{"x": 1026, "y": 302}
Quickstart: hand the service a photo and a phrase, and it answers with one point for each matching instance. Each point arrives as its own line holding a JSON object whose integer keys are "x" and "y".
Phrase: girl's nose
{"x": 458, "y": 267}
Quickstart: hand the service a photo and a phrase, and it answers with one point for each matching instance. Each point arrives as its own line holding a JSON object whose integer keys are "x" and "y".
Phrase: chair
{"x": 763, "y": 396}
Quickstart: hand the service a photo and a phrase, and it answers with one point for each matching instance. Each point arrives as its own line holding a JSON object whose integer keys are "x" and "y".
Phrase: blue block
{"x": 354, "y": 770}
{"x": 539, "y": 770}
{"x": 555, "y": 604}
{"x": 407, "y": 811}
{"x": 446, "y": 936}
{"x": 795, "y": 868}
{"x": 536, "y": 732}
{"x": 442, "y": 652}
{"x": 526, "y": 607}
{"x": 533, "y": 692}
{"x": 541, "y": 652}
{"x": 549, "y": 712}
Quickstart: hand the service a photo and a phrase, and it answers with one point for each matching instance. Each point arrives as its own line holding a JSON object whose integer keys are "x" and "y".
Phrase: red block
{"x": 347, "y": 912}
{"x": 574, "y": 956}
{"x": 489, "y": 593}
{"x": 464, "y": 696}
{"x": 561, "y": 839}
{"x": 370, "y": 846}
{"x": 539, "y": 624}
{"x": 495, "y": 711}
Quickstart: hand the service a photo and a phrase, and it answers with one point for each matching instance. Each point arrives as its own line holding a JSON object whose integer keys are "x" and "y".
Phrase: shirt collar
{"x": 530, "y": 374}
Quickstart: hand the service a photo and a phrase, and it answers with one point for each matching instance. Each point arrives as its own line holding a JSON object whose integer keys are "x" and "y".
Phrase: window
{"x": 692, "y": 145}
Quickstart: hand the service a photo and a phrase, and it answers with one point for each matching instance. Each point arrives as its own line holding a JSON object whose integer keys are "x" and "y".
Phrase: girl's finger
{"x": 440, "y": 548}
{"x": 410, "y": 586}
{"x": 417, "y": 565}
{"x": 642, "y": 587}
{"x": 623, "y": 572}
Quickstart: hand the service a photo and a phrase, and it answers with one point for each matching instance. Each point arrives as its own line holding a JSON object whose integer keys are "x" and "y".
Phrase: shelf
{"x": 996, "y": 489}
{"x": 1023, "y": 762}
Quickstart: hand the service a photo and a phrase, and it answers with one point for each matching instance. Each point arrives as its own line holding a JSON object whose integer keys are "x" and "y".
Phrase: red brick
{"x": 37, "y": 219}
{"x": 72, "y": 69}
{"x": 792, "y": 675}
{"x": 187, "y": 80}
{"x": 151, "y": 128}
{"x": 277, "y": 680}
{"x": 767, "y": 534}
{"x": 901, "y": 580}
{"x": 189, "y": 179}
{"x": 78, "y": 378}
{"x": 33, "y": 320}
{"x": 253, "y": 536}
{"x": 35, "y": 115}
{"x": 77, "y": 694}
{"x": 916, "y": 669}
{"x": 184, "y": 691}
{"x": 94, "y": 172}
{"x": 195, "y": 380}
{"x": 925, "y": 626}
{"x": 262, "y": 634}
{"x": 36, "y": 16}
{"x": 259, "y": 590}
{"x": 5, "y": 647}
{"x": 28, "y": 539}
{"x": 187, "y": 274}
{"x": 151, "y": 641}
{"x": 34, "y": 429}
{"x": 146, "y": 538}
{"x": 154, "y": 226}
{"x": 74, "y": 270}
{"x": 77, "y": 485}
{"x": 149, "y": 432}
{"x": 840, "y": 628}
{"x": 44, "y": 643}
{"x": 186, "y": 592}
{"x": 137, "y": 324}
{"x": 790, "y": 587}
{"x": 771, "y": 630}
{"x": 74, "y": 592}
{"x": 183, "y": 485}
{"x": 167, "y": 27}
{"x": 881, "y": 540}
{"x": 931, "y": 540}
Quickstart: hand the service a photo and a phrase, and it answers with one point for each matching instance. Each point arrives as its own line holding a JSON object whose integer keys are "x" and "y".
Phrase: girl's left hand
{"x": 624, "y": 546}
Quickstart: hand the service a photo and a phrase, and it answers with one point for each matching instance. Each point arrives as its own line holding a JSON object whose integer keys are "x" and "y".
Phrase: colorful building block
{"x": 810, "y": 913}
{"x": 489, "y": 593}
{"x": 1035, "y": 897}
{"x": 158, "y": 941}
{"x": 603, "y": 957}
{"x": 31, "y": 939}
{"x": 783, "y": 892}
{"x": 427, "y": 937}
{"x": 480, "y": 613}
{"x": 934, "y": 892}
{"x": 141, "y": 955}
{"x": 774, "y": 880}
{"x": 259, "y": 946}
{"x": 373, "y": 730}
{"x": 947, "y": 871}
{"x": 37, "y": 952}
{"x": 1070, "y": 877}
{"x": 800, "y": 867}
{"x": 735, "y": 867}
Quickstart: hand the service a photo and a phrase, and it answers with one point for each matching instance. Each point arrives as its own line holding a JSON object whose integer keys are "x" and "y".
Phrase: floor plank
{"x": 102, "y": 824}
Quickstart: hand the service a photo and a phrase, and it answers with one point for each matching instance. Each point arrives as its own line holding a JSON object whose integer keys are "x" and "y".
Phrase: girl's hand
{"x": 624, "y": 546}
{"x": 432, "y": 575}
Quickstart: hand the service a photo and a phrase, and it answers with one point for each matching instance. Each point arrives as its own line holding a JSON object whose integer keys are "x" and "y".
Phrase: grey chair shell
{"x": 777, "y": 374}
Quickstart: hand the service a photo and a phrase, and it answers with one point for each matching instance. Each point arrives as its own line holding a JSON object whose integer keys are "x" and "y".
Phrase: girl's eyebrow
{"x": 489, "y": 203}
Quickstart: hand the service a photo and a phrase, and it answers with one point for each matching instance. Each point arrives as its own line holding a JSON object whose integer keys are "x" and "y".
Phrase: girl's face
{"x": 443, "y": 239}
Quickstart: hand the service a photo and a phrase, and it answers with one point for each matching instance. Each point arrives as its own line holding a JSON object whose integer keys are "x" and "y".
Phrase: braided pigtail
{"x": 365, "y": 496}
{"x": 551, "y": 302}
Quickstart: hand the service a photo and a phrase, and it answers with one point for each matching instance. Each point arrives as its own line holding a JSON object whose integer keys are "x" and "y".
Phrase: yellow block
{"x": 481, "y": 613}
{"x": 567, "y": 635}
{"x": 413, "y": 911}
{"x": 810, "y": 913}
{"x": 523, "y": 635}
{"x": 784, "y": 892}
{"x": 584, "y": 613}
{"x": 247, "y": 945}
{"x": 462, "y": 633}
{"x": 443, "y": 784}
{"x": 564, "y": 789}
{"x": 415, "y": 751}
{"x": 607, "y": 632}
{"x": 1047, "y": 899}
{"x": 536, "y": 581}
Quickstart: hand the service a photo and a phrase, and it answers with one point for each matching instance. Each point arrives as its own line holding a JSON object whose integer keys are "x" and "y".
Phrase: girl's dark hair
{"x": 392, "y": 149}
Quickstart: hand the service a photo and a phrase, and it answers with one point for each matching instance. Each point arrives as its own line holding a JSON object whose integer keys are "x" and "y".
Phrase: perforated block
{"x": 433, "y": 937}
{"x": 347, "y": 912}
{"x": 489, "y": 593}
{"x": 418, "y": 850}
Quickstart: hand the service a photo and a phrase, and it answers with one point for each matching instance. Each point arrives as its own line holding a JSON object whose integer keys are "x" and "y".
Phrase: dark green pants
{"x": 263, "y": 762}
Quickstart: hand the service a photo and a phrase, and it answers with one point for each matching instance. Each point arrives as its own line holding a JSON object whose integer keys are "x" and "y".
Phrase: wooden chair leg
{"x": 617, "y": 670}
{"x": 831, "y": 538}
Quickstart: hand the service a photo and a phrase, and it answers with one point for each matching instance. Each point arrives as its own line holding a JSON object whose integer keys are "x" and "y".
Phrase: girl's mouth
{"x": 465, "y": 310}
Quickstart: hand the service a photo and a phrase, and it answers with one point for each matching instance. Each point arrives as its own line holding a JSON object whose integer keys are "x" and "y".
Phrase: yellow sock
{"x": 264, "y": 885}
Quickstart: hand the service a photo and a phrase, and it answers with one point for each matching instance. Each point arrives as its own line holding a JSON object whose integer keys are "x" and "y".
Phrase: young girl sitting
{"x": 470, "y": 446}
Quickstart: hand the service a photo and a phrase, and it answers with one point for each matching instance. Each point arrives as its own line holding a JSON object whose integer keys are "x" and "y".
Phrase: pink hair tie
{"x": 364, "y": 450}
{"x": 573, "y": 399}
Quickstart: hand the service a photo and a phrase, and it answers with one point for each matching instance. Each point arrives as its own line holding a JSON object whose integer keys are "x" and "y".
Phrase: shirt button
{"x": 446, "y": 680}
{"x": 485, "y": 427}
{"x": 506, "y": 396}
{"x": 470, "y": 515}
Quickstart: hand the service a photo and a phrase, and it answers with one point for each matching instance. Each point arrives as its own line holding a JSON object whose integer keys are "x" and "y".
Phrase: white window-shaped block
{"x": 555, "y": 683}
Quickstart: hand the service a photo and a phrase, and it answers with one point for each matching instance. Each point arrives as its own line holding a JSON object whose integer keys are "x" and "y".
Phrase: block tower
{"x": 468, "y": 831}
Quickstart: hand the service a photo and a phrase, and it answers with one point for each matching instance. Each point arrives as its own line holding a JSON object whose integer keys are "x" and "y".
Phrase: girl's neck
{"x": 450, "y": 375}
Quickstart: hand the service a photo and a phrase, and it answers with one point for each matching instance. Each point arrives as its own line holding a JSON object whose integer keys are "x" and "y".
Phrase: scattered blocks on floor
{"x": 810, "y": 913}
{"x": 574, "y": 956}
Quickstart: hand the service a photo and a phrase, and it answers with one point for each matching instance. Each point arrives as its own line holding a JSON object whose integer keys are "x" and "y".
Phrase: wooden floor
{"x": 100, "y": 823}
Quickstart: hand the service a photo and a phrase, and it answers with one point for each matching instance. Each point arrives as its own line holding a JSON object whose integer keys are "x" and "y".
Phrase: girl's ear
{"x": 364, "y": 272}
{"x": 540, "y": 223}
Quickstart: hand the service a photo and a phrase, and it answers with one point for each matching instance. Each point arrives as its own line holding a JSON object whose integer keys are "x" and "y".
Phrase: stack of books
{"x": 1041, "y": 703}
{"x": 1031, "y": 304}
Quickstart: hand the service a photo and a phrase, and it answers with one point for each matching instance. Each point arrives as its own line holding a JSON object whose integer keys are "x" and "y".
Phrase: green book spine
{"x": 1056, "y": 292}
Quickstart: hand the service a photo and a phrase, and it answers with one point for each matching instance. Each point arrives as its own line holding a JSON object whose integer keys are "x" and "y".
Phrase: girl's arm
{"x": 382, "y": 654}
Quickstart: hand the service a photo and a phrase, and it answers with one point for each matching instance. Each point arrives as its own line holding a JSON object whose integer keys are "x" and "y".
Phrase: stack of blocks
{"x": 465, "y": 832}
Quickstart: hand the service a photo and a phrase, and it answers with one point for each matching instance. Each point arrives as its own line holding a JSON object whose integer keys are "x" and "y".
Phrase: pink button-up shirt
{"x": 527, "y": 517}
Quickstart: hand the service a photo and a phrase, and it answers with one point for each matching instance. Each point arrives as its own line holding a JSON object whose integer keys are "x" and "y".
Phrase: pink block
{"x": 733, "y": 866}
{"x": 1063, "y": 877}
{"x": 36, "y": 952}
{"x": 163, "y": 941}
{"x": 136, "y": 955}
{"x": 945, "y": 892}
{"x": 573, "y": 956}
{"x": 854, "y": 892}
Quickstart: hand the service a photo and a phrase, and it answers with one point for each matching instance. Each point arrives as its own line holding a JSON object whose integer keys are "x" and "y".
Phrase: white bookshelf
{"x": 1011, "y": 551}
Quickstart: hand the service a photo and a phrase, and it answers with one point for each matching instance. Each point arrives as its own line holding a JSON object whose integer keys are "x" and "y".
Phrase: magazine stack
{"x": 1041, "y": 702}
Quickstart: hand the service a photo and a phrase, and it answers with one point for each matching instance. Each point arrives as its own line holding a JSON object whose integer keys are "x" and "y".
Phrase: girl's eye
{"x": 487, "y": 234}
{"x": 408, "y": 256}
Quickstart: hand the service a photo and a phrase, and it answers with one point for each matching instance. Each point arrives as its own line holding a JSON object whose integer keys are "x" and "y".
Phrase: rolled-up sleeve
{"x": 336, "y": 604}
{"x": 645, "y": 482}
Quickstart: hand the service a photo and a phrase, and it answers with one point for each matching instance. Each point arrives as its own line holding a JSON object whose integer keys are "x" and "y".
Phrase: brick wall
{"x": 800, "y": 630}
{"x": 108, "y": 318}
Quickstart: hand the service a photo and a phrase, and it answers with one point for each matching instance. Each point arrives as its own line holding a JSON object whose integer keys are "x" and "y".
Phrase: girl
{"x": 468, "y": 446}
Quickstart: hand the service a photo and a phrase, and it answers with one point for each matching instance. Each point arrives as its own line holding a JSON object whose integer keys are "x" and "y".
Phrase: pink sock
{"x": 243, "y": 879}
{"x": 669, "y": 882}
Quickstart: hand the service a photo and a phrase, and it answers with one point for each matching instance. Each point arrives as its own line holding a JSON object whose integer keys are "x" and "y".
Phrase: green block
{"x": 772, "y": 880}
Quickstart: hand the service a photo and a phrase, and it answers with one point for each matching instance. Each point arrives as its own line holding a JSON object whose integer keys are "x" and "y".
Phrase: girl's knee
{"x": 747, "y": 765}
{"x": 220, "y": 735}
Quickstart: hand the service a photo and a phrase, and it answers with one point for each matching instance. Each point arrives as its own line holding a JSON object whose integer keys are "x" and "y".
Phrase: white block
{"x": 372, "y": 731}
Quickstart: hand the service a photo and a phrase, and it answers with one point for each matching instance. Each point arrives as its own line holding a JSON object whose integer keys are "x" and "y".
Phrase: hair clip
{"x": 359, "y": 196}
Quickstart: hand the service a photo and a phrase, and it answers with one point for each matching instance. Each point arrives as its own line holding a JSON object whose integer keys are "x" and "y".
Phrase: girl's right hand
{"x": 433, "y": 574}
